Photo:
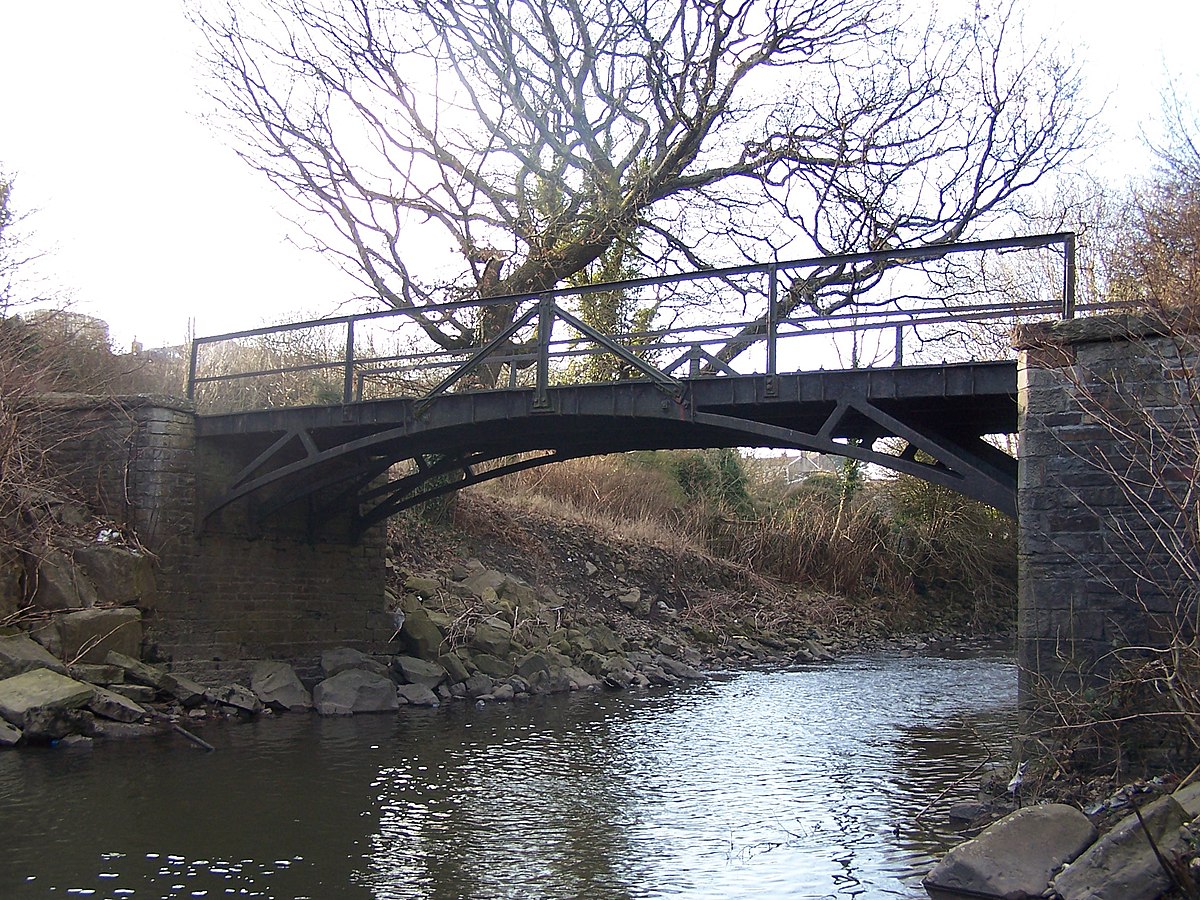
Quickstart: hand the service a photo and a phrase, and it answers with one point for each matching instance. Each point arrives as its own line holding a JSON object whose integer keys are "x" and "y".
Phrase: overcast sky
{"x": 150, "y": 221}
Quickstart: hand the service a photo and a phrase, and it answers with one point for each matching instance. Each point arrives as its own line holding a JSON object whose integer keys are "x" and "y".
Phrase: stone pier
{"x": 1107, "y": 505}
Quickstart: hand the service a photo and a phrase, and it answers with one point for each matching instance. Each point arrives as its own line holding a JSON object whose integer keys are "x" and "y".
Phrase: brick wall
{"x": 226, "y": 597}
{"x": 1108, "y": 459}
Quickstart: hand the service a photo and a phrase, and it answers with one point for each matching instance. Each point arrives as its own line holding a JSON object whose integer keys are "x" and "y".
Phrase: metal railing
{"x": 735, "y": 320}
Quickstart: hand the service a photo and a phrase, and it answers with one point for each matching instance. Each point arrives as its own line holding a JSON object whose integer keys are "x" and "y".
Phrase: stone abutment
{"x": 226, "y": 596}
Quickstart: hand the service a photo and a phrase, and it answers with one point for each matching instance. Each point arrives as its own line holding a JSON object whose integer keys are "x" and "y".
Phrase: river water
{"x": 806, "y": 783}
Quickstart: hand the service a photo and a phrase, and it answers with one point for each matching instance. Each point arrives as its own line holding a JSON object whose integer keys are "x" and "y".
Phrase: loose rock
{"x": 355, "y": 691}
{"x": 40, "y": 689}
{"x": 1016, "y": 856}
{"x": 19, "y": 653}
{"x": 278, "y": 686}
{"x": 1122, "y": 865}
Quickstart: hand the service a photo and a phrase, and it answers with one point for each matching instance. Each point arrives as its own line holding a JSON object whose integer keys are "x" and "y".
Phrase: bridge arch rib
{"x": 340, "y": 460}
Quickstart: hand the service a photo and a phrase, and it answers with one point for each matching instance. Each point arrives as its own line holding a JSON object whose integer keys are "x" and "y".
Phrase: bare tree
{"x": 696, "y": 131}
{"x": 14, "y": 254}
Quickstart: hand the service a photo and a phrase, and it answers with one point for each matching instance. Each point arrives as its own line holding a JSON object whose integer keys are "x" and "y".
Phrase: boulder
{"x": 502, "y": 693}
{"x": 456, "y": 669}
{"x": 61, "y": 586}
{"x": 1189, "y": 798}
{"x": 670, "y": 647}
{"x": 520, "y": 593}
{"x": 553, "y": 680}
{"x": 631, "y": 600}
{"x": 484, "y": 579}
{"x": 121, "y": 576}
{"x": 87, "y": 636}
{"x": 54, "y": 723}
{"x": 493, "y": 666}
{"x": 339, "y": 659}
{"x": 540, "y": 661}
{"x": 111, "y": 705}
{"x": 417, "y": 695}
{"x": 278, "y": 686}
{"x": 478, "y": 685}
{"x": 412, "y": 670}
{"x": 492, "y": 636}
{"x": 239, "y": 697}
{"x": 1016, "y": 856}
{"x": 581, "y": 680}
{"x": 424, "y": 587}
{"x": 420, "y": 636}
{"x": 657, "y": 675}
{"x": 19, "y": 653}
{"x": 677, "y": 669}
{"x": 1122, "y": 864}
{"x": 355, "y": 691}
{"x": 9, "y": 734}
{"x": 40, "y": 690}
{"x": 135, "y": 670}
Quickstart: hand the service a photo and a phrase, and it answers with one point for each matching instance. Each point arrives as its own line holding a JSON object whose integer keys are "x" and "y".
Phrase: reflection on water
{"x": 805, "y": 783}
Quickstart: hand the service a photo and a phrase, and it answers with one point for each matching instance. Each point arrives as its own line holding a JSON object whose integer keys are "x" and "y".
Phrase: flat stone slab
{"x": 97, "y": 674}
{"x": 135, "y": 670}
{"x": 114, "y": 706}
{"x": 183, "y": 689}
{"x": 123, "y": 730}
{"x": 21, "y": 653}
{"x": 40, "y": 689}
{"x": 1122, "y": 865}
{"x": 1016, "y": 856}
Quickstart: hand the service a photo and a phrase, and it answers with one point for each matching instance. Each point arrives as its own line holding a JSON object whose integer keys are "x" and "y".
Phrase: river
{"x": 805, "y": 783}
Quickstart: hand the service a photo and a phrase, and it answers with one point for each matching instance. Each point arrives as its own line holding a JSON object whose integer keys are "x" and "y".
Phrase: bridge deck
{"x": 936, "y": 416}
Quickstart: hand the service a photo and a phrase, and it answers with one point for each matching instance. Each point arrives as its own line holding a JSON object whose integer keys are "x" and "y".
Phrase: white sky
{"x": 151, "y": 221}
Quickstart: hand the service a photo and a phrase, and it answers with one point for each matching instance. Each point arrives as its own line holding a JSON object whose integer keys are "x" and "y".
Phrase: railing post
{"x": 772, "y": 385}
{"x": 541, "y": 396}
{"x": 1068, "y": 310}
{"x": 191, "y": 382}
{"x": 772, "y": 320}
{"x": 898, "y": 360}
{"x": 348, "y": 379}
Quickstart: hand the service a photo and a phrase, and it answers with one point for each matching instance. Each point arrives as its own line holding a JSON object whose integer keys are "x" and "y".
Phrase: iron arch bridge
{"x": 405, "y": 420}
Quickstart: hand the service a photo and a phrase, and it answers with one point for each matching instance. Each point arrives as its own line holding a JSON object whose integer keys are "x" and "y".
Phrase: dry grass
{"x": 896, "y": 543}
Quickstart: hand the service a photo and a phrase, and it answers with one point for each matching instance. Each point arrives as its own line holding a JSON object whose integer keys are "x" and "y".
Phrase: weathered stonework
{"x": 227, "y": 596}
{"x": 1108, "y": 430}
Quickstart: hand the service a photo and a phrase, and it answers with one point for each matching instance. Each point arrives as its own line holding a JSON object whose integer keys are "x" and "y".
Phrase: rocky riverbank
{"x": 473, "y": 634}
{"x": 1141, "y": 843}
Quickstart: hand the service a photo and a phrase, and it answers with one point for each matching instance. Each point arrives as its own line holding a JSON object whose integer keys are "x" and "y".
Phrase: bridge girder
{"x": 923, "y": 421}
